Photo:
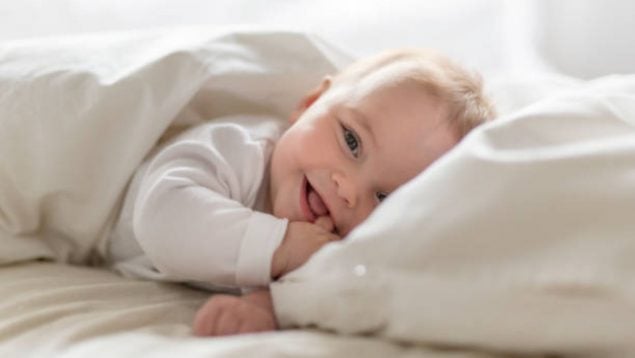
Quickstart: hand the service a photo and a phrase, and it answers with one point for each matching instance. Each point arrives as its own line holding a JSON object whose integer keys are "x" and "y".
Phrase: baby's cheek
{"x": 320, "y": 149}
{"x": 364, "y": 213}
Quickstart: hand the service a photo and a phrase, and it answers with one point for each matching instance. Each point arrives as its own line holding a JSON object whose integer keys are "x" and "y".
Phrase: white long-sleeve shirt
{"x": 196, "y": 210}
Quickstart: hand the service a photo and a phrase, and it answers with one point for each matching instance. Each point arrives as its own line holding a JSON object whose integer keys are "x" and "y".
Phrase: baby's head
{"x": 361, "y": 134}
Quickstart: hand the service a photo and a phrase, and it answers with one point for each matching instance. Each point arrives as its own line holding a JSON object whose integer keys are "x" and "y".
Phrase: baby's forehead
{"x": 389, "y": 81}
{"x": 376, "y": 95}
{"x": 394, "y": 72}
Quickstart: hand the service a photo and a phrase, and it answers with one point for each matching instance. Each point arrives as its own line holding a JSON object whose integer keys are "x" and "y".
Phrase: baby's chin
{"x": 285, "y": 213}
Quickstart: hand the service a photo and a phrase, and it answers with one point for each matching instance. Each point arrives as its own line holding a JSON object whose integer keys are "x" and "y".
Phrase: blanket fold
{"x": 78, "y": 115}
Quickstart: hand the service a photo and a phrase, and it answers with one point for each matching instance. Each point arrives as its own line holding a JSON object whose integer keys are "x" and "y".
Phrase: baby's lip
{"x": 304, "y": 201}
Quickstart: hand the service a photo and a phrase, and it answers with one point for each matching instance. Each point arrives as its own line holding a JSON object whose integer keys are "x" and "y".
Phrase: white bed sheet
{"x": 55, "y": 310}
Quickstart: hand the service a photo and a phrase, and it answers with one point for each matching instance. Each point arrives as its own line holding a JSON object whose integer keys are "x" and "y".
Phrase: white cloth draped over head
{"x": 78, "y": 115}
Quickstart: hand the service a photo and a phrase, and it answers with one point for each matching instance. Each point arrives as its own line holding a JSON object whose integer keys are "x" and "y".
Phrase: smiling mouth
{"x": 311, "y": 202}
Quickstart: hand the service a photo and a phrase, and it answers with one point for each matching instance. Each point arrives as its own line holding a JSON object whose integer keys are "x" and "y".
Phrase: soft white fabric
{"x": 522, "y": 239}
{"x": 78, "y": 115}
{"x": 197, "y": 208}
{"x": 55, "y": 310}
{"x": 512, "y": 92}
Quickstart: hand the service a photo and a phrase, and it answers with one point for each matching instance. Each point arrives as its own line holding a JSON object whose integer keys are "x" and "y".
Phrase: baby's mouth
{"x": 315, "y": 203}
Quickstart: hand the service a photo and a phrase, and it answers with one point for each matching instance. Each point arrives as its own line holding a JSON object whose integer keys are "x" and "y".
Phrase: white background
{"x": 583, "y": 38}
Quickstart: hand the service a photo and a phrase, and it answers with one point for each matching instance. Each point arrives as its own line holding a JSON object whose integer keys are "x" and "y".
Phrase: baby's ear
{"x": 310, "y": 98}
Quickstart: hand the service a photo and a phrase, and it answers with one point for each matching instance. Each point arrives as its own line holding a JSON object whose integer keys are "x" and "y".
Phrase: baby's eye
{"x": 381, "y": 196}
{"x": 352, "y": 141}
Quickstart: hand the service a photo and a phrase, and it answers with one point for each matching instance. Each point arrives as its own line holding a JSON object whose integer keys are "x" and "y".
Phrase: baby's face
{"x": 352, "y": 146}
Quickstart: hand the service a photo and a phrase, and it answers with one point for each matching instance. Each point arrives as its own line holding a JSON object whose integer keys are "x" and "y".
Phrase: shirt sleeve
{"x": 192, "y": 214}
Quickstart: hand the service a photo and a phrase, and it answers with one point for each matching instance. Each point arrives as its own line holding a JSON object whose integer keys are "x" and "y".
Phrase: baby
{"x": 239, "y": 202}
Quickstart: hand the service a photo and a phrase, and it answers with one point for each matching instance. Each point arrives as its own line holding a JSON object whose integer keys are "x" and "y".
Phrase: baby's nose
{"x": 345, "y": 189}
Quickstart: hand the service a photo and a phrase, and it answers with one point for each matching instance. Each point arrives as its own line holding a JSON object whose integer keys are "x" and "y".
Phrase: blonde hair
{"x": 460, "y": 90}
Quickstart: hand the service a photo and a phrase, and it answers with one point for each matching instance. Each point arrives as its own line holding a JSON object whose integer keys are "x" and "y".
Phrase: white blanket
{"x": 55, "y": 310}
{"x": 78, "y": 115}
{"x": 522, "y": 239}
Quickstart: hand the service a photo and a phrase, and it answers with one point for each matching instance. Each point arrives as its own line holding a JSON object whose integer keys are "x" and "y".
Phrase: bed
{"x": 519, "y": 241}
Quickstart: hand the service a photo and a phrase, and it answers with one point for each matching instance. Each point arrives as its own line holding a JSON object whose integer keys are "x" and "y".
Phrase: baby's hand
{"x": 224, "y": 315}
{"x": 301, "y": 240}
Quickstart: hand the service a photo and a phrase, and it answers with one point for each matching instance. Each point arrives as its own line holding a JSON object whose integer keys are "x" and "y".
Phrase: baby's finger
{"x": 228, "y": 323}
{"x": 334, "y": 237}
{"x": 257, "y": 323}
{"x": 205, "y": 320}
{"x": 325, "y": 222}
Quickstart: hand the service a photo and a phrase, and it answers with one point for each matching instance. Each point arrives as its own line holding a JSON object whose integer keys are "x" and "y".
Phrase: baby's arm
{"x": 193, "y": 215}
{"x": 253, "y": 312}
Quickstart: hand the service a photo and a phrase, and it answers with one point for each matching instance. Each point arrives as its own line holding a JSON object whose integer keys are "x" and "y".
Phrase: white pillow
{"x": 521, "y": 239}
{"x": 77, "y": 115}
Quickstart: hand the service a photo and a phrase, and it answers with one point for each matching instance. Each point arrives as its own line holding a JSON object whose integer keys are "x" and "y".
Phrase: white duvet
{"x": 520, "y": 240}
{"x": 78, "y": 115}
